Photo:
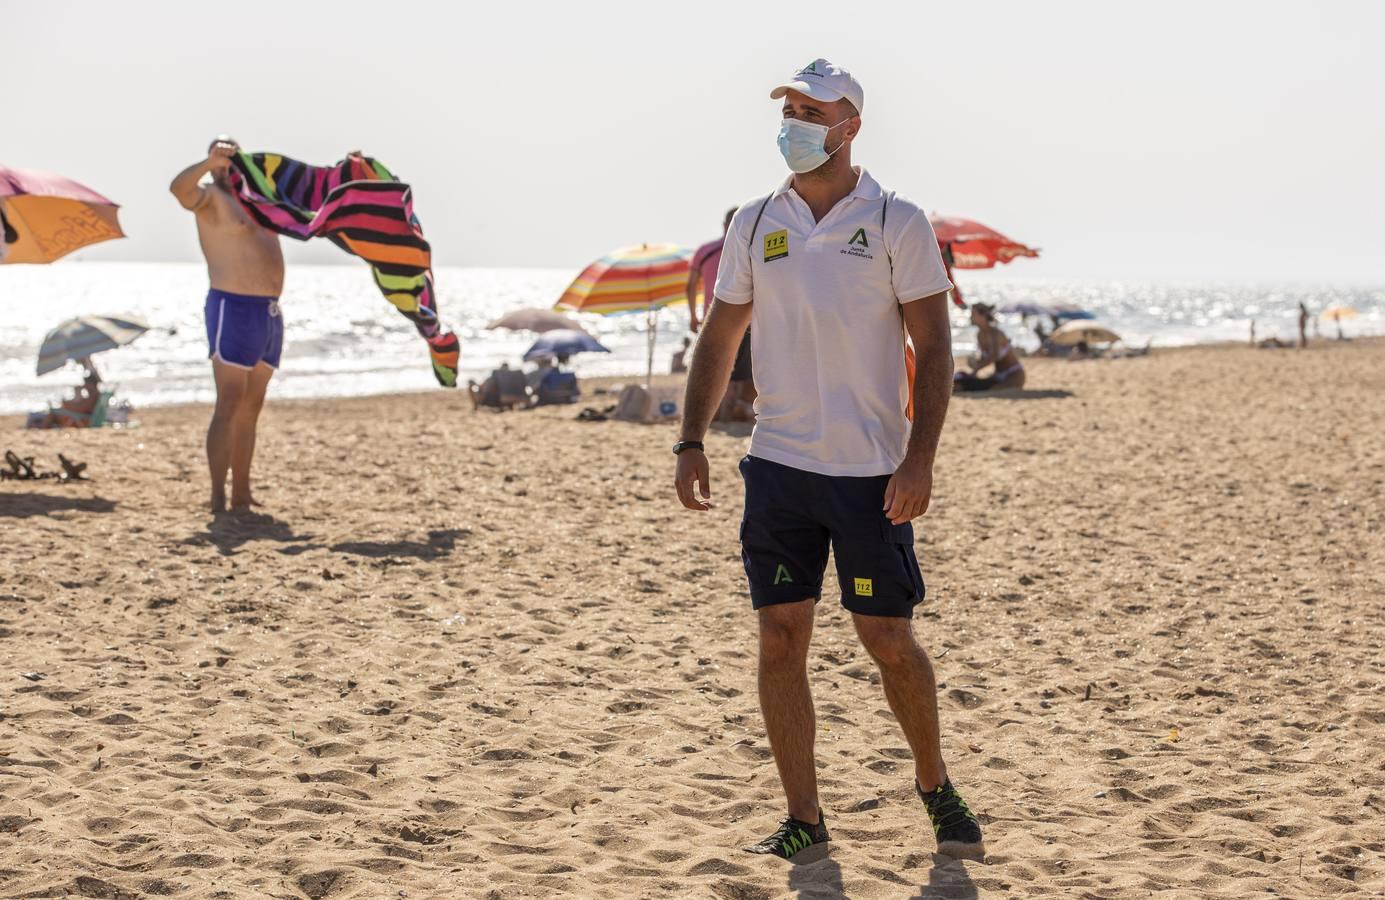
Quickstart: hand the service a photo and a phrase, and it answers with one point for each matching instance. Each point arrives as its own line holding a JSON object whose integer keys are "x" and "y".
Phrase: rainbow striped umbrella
{"x": 644, "y": 278}
{"x": 631, "y": 279}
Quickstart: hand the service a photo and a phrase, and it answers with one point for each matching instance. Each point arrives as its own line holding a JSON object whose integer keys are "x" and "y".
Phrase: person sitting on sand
{"x": 680, "y": 358}
{"x": 993, "y": 350}
{"x": 75, "y": 411}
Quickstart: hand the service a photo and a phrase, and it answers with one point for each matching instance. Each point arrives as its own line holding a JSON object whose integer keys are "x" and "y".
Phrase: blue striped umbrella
{"x": 84, "y": 336}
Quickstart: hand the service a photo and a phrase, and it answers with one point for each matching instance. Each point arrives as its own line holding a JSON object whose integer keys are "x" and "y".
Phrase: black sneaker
{"x": 956, "y": 829}
{"x": 793, "y": 835}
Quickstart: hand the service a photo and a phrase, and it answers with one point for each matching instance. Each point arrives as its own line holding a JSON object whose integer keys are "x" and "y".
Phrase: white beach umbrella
{"x": 1076, "y": 332}
{"x": 84, "y": 336}
{"x": 535, "y": 320}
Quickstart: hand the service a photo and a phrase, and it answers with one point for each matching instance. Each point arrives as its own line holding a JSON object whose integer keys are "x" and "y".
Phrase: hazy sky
{"x": 1168, "y": 140}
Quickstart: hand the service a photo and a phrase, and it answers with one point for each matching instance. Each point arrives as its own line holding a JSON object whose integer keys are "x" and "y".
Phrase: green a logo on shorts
{"x": 781, "y": 575}
{"x": 859, "y": 238}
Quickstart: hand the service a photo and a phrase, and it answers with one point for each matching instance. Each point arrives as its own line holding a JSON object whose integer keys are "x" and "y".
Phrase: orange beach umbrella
{"x": 48, "y": 216}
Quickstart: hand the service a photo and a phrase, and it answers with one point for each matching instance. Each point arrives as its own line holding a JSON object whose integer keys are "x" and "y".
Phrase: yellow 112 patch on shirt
{"x": 777, "y": 244}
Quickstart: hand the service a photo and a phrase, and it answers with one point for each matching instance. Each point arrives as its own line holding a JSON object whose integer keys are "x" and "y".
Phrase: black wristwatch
{"x": 686, "y": 445}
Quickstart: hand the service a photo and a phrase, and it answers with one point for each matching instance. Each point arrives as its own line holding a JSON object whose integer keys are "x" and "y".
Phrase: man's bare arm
{"x": 185, "y": 184}
{"x": 931, "y": 332}
{"x": 186, "y": 188}
{"x": 707, "y": 380}
{"x": 911, "y": 488}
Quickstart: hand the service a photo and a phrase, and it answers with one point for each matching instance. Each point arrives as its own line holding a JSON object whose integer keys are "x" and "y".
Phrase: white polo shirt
{"x": 827, "y": 333}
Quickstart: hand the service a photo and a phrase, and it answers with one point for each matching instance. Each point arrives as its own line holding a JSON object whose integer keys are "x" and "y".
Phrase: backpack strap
{"x": 750, "y": 242}
{"x": 884, "y": 210}
{"x": 753, "y": 228}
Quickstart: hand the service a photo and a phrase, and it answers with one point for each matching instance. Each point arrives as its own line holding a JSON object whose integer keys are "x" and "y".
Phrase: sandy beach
{"x": 487, "y": 655}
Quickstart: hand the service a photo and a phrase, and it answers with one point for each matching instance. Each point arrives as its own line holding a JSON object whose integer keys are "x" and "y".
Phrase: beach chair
{"x": 513, "y": 386}
{"x": 558, "y": 387}
{"x": 504, "y": 389}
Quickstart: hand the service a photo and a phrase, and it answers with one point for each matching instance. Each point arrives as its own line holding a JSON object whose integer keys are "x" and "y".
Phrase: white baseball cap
{"x": 823, "y": 81}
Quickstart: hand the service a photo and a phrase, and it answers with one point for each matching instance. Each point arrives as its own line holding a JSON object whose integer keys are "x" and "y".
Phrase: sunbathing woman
{"x": 993, "y": 349}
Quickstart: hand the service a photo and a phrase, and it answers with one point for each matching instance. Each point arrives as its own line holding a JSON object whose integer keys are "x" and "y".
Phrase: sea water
{"x": 343, "y": 338}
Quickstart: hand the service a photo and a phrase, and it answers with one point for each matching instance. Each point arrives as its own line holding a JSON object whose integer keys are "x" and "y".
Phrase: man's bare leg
{"x": 910, "y": 688}
{"x": 231, "y": 386}
{"x": 786, "y": 701}
{"x": 246, "y": 419}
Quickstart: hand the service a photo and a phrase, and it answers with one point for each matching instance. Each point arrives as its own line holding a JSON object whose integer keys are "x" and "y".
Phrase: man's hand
{"x": 692, "y": 468}
{"x": 909, "y": 491}
{"x": 219, "y": 159}
{"x": 693, "y": 323}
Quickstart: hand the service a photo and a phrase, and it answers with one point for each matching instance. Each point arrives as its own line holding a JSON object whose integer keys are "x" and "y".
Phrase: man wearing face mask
{"x": 834, "y": 272}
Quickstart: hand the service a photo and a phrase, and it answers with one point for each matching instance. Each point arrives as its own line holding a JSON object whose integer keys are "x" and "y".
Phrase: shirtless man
{"x": 245, "y": 333}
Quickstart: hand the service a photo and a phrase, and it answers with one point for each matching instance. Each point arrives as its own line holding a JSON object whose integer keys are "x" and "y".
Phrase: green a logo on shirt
{"x": 859, "y": 238}
{"x": 781, "y": 575}
{"x": 811, "y": 67}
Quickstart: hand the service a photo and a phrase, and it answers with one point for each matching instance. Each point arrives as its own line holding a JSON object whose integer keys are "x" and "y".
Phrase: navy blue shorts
{"x": 793, "y": 517}
{"x": 244, "y": 330}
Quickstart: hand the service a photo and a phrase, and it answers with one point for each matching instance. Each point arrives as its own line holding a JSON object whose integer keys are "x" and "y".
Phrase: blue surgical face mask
{"x": 804, "y": 144}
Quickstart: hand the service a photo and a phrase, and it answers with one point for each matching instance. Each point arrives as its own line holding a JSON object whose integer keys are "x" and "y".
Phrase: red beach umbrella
{"x": 976, "y": 246}
{"x": 967, "y": 244}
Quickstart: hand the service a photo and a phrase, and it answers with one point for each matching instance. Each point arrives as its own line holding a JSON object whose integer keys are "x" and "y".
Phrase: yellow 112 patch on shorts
{"x": 865, "y": 587}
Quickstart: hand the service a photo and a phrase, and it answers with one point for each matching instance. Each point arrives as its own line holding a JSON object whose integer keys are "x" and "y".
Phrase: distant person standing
{"x": 702, "y": 274}
{"x": 245, "y": 332}
{"x": 1303, "y": 318}
{"x": 832, "y": 272}
{"x": 737, "y": 404}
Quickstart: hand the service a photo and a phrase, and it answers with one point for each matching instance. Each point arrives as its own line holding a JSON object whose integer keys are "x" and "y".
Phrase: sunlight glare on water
{"x": 344, "y": 339}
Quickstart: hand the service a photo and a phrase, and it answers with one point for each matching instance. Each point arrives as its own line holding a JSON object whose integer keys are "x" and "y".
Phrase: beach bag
{"x": 665, "y": 404}
{"x": 632, "y": 404}
{"x": 658, "y": 404}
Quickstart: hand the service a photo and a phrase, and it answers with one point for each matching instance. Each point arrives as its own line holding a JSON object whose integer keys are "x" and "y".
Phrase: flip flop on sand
{"x": 20, "y": 469}
{"x": 591, "y": 414}
{"x": 72, "y": 471}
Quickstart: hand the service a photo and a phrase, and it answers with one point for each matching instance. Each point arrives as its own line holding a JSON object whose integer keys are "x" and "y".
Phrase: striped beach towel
{"x": 358, "y": 205}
